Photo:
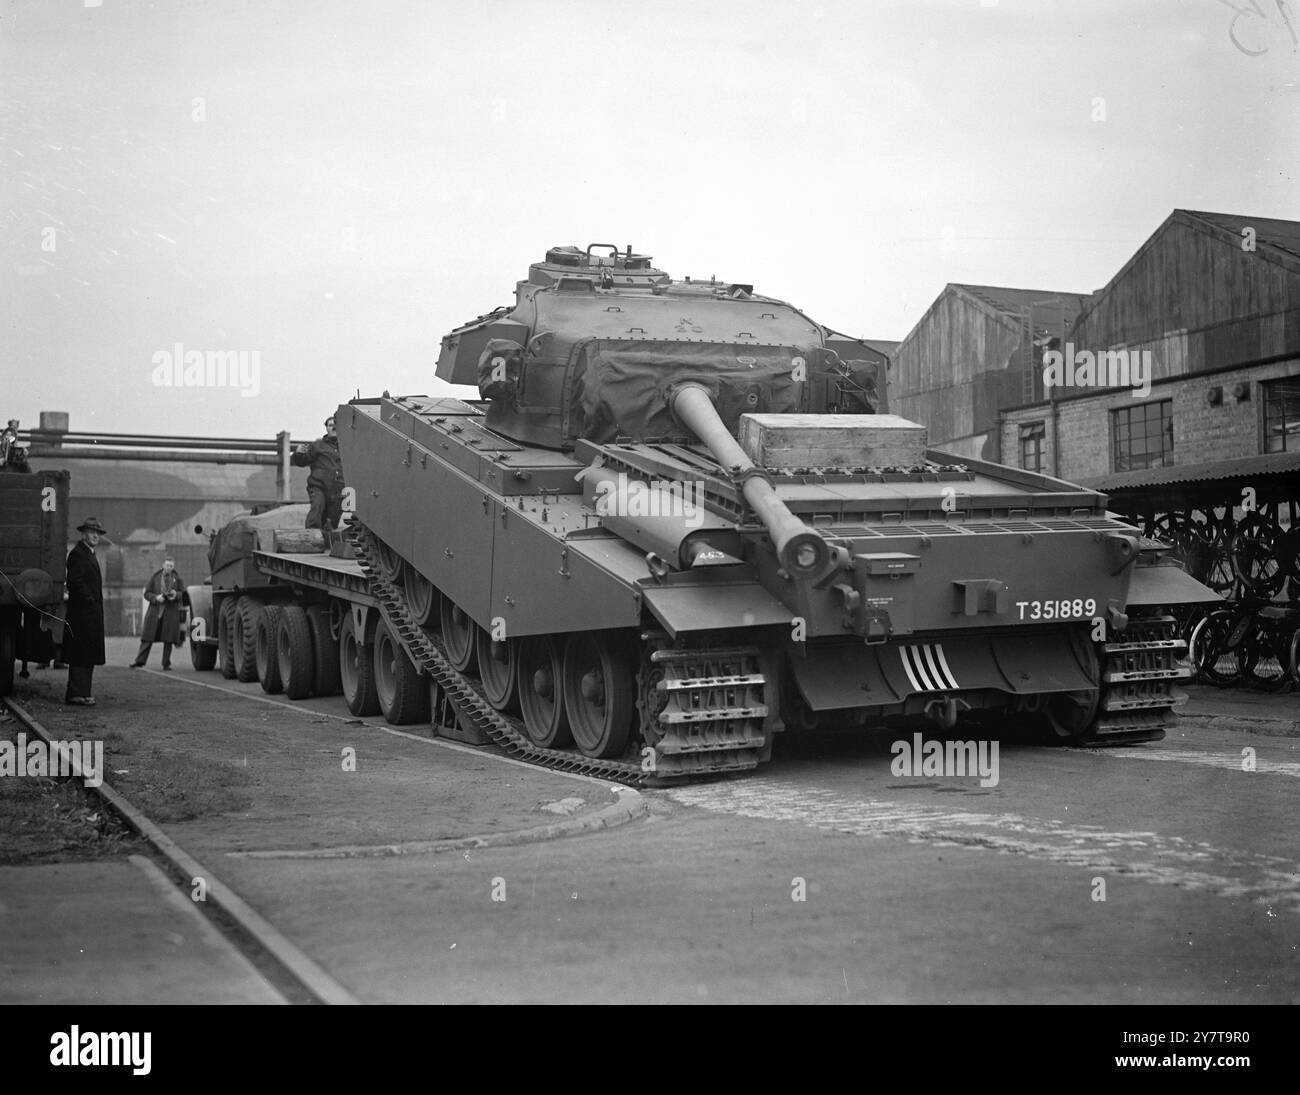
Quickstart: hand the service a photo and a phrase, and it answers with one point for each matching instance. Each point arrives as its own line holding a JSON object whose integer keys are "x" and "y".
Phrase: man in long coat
{"x": 325, "y": 483}
{"x": 83, "y": 632}
{"x": 165, "y": 593}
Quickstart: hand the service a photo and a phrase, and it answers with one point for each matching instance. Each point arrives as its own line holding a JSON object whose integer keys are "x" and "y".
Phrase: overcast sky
{"x": 335, "y": 184}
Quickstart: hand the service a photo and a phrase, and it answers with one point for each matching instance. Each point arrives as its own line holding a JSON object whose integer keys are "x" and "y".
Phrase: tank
{"x": 33, "y": 558}
{"x": 681, "y": 521}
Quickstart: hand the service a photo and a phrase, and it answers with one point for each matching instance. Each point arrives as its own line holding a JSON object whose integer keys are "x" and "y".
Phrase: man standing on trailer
{"x": 83, "y": 631}
{"x": 162, "y": 621}
{"x": 325, "y": 484}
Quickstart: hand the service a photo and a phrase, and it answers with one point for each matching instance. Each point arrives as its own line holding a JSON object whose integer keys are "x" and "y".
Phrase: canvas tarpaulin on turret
{"x": 621, "y": 389}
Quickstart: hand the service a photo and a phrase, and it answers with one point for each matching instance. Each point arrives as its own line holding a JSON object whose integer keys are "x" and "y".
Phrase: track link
{"x": 1138, "y": 678}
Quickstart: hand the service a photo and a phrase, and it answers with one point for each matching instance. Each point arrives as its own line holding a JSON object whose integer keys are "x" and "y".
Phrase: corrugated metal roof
{"x": 1284, "y": 235}
{"x": 1276, "y": 463}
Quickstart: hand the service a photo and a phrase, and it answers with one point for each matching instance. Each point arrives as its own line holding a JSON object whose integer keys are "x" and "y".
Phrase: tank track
{"x": 425, "y": 652}
{"x": 707, "y": 711}
{"x": 1138, "y": 678}
{"x": 703, "y": 708}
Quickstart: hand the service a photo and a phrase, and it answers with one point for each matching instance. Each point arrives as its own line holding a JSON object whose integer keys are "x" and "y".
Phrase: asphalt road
{"x": 1163, "y": 873}
{"x": 913, "y": 891}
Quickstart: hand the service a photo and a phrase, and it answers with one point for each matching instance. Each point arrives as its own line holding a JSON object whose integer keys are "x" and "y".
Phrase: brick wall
{"x": 1201, "y": 432}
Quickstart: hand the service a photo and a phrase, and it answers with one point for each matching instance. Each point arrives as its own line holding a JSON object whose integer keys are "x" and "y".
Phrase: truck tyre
{"x": 268, "y": 660}
{"x": 8, "y": 649}
{"x": 247, "y": 610}
{"x": 357, "y": 673}
{"x": 293, "y": 647}
{"x": 203, "y": 656}
{"x": 226, "y": 638}
{"x": 325, "y": 655}
{"x": 403, "y": 694}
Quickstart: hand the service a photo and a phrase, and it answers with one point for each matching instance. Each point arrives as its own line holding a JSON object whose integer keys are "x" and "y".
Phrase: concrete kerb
{"x": 184, "y": 865}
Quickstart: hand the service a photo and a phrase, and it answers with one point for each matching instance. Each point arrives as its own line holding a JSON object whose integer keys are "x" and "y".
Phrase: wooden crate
{"x": 832, "y": 440}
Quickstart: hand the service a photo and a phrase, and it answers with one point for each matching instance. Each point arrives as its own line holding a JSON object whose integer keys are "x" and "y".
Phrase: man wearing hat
{"x": 325, "y": 484}
{"x": 83, "y": 632}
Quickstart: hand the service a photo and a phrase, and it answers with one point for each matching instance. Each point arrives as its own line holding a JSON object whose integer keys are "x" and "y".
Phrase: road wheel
{"x": 458, "y": 636}
{"x": 1068, "y": 716}
{"x": 324, "y": 649}
{"x": 247, "y": 611}
{"x": 540, "y": 673}
{"x": 599, "y": 693}
{"x": 226, "y": 638}
{"x": 388, "y": 562}
{"x": 8, "y": 649}
{"x": 421, "y": 597}
{"x": 356, "y": 673}
{"x": 268, "y": 659}
{"x": 496, "y": 669}
{"x": 403, "y": 695}
{"x": 293, "y": 649}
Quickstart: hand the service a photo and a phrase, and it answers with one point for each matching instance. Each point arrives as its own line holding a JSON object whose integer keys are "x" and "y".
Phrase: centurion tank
{"x": 680, "y": 522}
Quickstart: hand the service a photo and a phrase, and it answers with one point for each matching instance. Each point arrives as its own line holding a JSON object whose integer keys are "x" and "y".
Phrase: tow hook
{"x": 943, "y": 710}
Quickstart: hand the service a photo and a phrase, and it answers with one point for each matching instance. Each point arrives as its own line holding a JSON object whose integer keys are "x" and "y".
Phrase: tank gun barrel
{"x": 803, "y": 551}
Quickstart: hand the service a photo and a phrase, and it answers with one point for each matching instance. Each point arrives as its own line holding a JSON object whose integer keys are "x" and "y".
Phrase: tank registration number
{"x": 1057, "y": 610}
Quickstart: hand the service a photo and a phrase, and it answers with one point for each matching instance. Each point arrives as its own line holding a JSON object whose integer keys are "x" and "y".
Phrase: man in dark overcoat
{"x": 83, "y": 632}
{"x": 165, "y": 593}
{"x": 325, "y": 483}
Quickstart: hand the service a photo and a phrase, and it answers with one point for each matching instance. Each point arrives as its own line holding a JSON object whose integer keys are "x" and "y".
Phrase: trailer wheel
{"x": 357, "y": 673}
{"x": 226, "y": 638}
{"x": 268, "y": 658}
{"x": 203, "y": 656}
{"x": 293, "y": 649}
{"x": 540, "y": 673}
{"x": 497, "y": 662}
{"x": 8, "y": 650}
{"x": 247, "y": 611}
{"x": 458, "y": 635}
{"x": 324, "y": 649}
{"x": 599, "y": 693}
{"x": 403, "y": 696}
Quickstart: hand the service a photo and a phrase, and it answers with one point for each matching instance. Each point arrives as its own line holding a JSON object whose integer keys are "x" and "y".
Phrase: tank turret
{"x": 595, "y": 342}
